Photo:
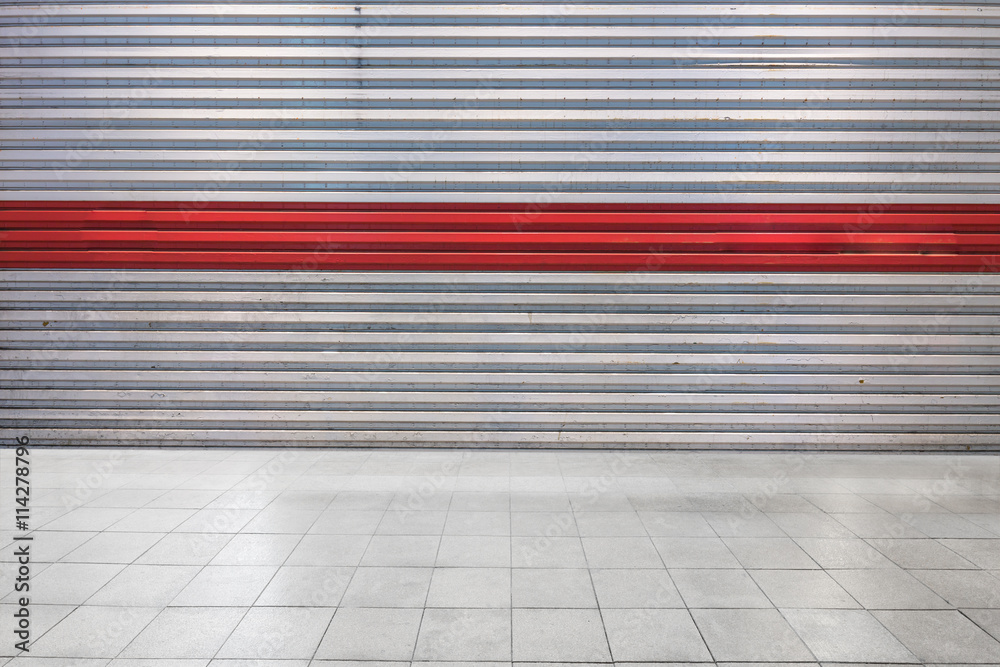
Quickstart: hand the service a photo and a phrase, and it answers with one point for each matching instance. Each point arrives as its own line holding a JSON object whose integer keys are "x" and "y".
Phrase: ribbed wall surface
{"x": 707, "y": 102}
{"x": 657, "y": 360}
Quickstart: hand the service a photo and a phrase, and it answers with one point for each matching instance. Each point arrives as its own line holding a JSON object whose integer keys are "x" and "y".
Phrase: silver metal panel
{"x": 650, "y": 360}
{"x": 419, "y": 101}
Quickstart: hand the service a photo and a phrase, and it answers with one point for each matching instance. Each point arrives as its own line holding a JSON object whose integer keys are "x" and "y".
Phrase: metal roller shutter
{"x": 538, "y": 224}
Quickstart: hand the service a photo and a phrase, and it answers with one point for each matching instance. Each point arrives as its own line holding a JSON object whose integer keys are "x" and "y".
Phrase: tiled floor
{"x": 189, "y": 558}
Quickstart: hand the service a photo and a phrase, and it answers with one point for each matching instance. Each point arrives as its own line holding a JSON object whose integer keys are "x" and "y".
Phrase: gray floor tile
{"x": 347, "y": 522}
{"x": 93, "y": 632}
{"x": 42, "y": 617}
{"x": 963, "y": 588}
{"x": 719, "y": 589}
{"x": 769, "y": 552}
{"x": 470, "y": 587}
{"x": 277, "y": 633}
{"x": 987, "y": 619}
{"x": 676, "y": 524}
{"x": 217, "y": 520}
{"x": 877, "y": 525}
{"x": 552, "y": 588}
{"x": 699, "y": 552}
{"x": 921, "y": 554}
{"x": 183, "y": 499}
{"x": 888, "y": 589}
{"x": 572, "y": 635}
{"x": 620, "y": 552}
{"x": 846, "y": 635}
{"x": 329, "y": 550}
{"x": 185, "y": 549}
{"x": 477, "y": 523}
{"x": 153, "y": 662}
{"x": 654, "y": 635}
{"x": 401, "y": 551}
{"x": 747, "y": 635}
{"x": 947, "y": 525}
{"x": 803, "y": 589}
{"x": 411, "y": 522}
{"x": 832, "y": 554}
{"x": 306, "y": 586}
{"x": 810, "y": 524}
{"x": 185, "y": 632}
{"x": 903, "y": 503}
{"x": 225, "y": 586}
{"x": 547, "y": 552}
{"x": 388, "y": 587}
{"x": 474, "y": 551}
{"x": 468, "y": 501}
{"x": 257, "y": 549}
{"x": 743, "y": 524}
{"x": 610, "y": 524}
{"x": 941, "y": 636}
{"x": 981, "y": 553}
{"x": 68, "y": 583}
{"x": 89, "y": 518}
{"x": 841, "y": 503}
{"x": 632, "y": 588}
{"x": 782, "y": 503}
{"x": 144, "y": 586}
{"x": 113, "y": 548}
{"x": 152, "y": 520}
{"x": 371, "y": 634}
{"x": 539, "y": 502}
{"x": 282, "y": 520}
{"x": 464, "y": 634}
{"x": 57, "y": 662}
{"x": 55, "y": 545}
{"x": 550, "y": 524}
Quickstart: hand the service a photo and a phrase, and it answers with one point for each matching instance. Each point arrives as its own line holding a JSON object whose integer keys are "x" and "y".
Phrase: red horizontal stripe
{"x": 169, "y": 235}
{"x": 588, "y": 242}
{"x": 527, "y": 208}
{"x": 495, "y": 261}
{"x": 498, "y": 221}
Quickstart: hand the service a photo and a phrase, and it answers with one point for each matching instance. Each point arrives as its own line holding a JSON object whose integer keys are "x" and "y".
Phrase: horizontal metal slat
{"x": 785, "y": 54}
{"x": 867, "y": 382}
{"x": 480, "y": 439}
{"x": 585, "y": 323}
{"x": 177, "y": 114}
{"x": 457, "y": 299}
{"x": 771, "y": 403}
{"x": 361, "y": 362}
{"x": 416, "y": 76}
{"x": 440, "y": 420}
{"x": 202, "y": 158}
{"x": 584, "y": 341}
{"x": 117, "y": 284}
{"x": 472, "y": 10}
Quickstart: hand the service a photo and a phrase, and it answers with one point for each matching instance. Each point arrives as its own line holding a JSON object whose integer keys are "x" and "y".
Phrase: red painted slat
{"x": 529, "y": 208}
{"x": 496, "y": 261}
{"x": 498, "y": 221}
{"x": 637, "y": 242}
{"x": 275, "y": 235}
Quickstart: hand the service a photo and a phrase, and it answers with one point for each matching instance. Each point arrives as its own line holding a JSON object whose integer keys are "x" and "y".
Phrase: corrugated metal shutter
{"x": 502, "y": 359}
{"x": 338, "y": 266}
{"x": 534, "y": 101}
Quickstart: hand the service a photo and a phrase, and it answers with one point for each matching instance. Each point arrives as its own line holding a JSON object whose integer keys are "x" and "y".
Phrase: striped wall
{"x": 534, "y": 224}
